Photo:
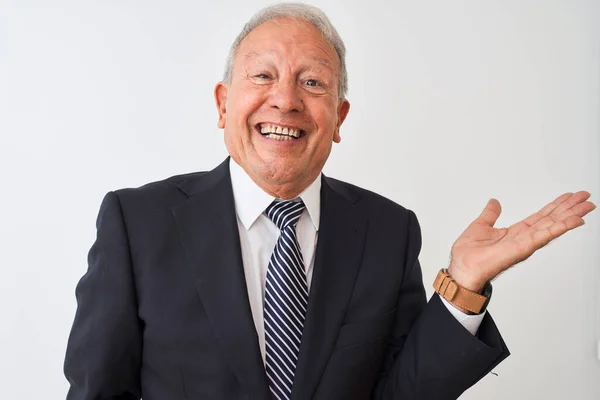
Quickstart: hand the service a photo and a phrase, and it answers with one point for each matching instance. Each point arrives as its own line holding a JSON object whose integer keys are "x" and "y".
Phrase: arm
{"x": 431, "y": 355}
{"x": 104, "y": 349}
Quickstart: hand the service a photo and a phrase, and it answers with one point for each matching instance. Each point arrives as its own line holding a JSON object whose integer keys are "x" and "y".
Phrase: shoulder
{"x": 168, "y": 187}
{"x": 390, "y": 219}
{"x": 179, "y": 186}
{"x": 374, "y": 204}
{"x": 146, "y": 207}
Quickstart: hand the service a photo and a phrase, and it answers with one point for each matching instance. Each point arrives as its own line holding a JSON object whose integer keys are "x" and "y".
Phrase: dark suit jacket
{"x": 163, "y": 310}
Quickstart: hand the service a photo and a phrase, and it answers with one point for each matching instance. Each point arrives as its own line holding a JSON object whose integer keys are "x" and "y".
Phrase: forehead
{"x": 289, "y": 39}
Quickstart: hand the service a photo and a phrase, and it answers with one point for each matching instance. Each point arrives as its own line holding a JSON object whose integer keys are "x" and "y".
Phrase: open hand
{"x": 482, "y": 252}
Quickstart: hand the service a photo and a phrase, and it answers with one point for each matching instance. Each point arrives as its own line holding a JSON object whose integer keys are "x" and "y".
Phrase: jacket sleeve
{"x": 430, "y": 355}
{"x": 104, "y": 348}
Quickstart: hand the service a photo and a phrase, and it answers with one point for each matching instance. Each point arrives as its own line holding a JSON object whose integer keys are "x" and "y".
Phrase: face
{"x": 281, "y": 111}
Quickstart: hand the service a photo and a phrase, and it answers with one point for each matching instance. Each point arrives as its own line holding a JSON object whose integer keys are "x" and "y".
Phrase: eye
{"x": 262, "y": 76}
{"x": 312, "y": 82}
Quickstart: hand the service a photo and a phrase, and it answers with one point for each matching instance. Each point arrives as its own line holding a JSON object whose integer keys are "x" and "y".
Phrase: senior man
{"x": 264, "y": 279}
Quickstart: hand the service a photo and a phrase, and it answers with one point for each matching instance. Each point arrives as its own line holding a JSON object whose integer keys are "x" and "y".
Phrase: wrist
{"x": 461, "y": 298}
{"x": 466, "y": 281}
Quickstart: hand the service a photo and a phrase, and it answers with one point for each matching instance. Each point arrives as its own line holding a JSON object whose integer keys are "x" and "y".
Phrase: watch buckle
{"x": 448, "y": 288}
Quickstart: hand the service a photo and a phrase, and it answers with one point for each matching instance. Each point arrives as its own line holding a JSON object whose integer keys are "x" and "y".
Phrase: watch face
{"x": 487, "y": 292}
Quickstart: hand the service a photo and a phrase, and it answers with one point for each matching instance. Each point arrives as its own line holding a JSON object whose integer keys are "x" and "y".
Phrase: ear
{"x": 221, "y": 100}
{"x": 343, "y": 109}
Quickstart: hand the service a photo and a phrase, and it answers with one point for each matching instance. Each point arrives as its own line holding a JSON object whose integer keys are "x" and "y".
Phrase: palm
{"x": 482, "y": 252}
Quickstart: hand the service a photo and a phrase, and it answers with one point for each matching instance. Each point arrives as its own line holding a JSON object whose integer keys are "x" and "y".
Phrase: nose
{"x": 286, "y": 97}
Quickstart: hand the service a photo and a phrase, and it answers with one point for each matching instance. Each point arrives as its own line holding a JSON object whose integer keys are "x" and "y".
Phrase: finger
{"x": 490, "y": 213}
{"x": 577, "y": 198}
{"x": 582, "y": 209}
{"x": 568, "y": 224}
{"x": 546, "y": 210}
{"x": 579, "y": 210}
{"x": 543, "y": 236}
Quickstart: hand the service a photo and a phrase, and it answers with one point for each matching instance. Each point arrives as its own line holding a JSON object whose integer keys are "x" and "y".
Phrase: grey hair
{"x": 301, "y": 11}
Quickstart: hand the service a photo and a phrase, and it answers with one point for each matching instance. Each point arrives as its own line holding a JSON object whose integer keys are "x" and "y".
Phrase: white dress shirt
{"x": 258, "y": 236}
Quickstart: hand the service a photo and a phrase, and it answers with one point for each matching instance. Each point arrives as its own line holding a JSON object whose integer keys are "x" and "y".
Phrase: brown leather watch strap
{"x": 465, "y": 299}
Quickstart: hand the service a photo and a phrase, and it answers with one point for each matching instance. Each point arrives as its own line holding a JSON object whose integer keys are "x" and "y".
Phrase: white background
{"x": 453, "y": 102}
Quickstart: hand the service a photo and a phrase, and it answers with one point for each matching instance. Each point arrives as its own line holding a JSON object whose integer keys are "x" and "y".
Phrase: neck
{"x": 284, "y": 191}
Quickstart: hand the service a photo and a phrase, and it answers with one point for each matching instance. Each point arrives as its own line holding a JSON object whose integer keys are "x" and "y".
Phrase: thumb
{"x": 490, "y": 213}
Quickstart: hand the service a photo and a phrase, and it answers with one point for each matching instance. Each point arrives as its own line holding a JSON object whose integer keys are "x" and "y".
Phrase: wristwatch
{"x": 463, "y": 298}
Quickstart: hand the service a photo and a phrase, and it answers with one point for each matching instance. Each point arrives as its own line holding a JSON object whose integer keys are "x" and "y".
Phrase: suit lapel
{"x": 209, "y": 235}
{"x": 339, "y": 247}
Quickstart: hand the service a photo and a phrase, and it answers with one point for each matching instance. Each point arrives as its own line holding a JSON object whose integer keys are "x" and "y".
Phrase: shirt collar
{"x": 251, "y": 201}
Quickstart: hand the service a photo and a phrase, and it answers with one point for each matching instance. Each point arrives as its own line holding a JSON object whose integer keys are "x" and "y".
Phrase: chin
{"x": 280, "y": 174}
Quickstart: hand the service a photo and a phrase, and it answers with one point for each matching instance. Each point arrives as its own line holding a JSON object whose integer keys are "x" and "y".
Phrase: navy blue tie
{"x": 286, "y": 299}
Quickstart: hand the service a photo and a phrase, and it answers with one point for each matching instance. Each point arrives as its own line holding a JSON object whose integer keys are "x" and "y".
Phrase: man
{"x": 264, "y": 279}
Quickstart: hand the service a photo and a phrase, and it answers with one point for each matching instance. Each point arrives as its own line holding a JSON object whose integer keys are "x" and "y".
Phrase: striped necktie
{"x": 286, "y": 299}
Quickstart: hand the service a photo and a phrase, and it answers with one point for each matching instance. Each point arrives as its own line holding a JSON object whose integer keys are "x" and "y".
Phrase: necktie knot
{"x": 285, "y": 213}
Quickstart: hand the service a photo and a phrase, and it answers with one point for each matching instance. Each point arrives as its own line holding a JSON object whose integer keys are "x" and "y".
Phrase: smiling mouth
{"x": 278, "y": 132}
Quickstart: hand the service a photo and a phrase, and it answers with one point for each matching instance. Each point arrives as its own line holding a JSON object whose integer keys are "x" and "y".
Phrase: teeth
{"x": 279, "y": 137}
{"x": 288, "y": 132}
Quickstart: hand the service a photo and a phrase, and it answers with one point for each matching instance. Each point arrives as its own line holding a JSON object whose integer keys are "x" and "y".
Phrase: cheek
{"x": 245, "y": 103}
{"x": 326, "y": 120}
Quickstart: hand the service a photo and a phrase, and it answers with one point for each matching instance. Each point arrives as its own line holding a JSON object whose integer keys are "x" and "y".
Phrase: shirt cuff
{"x": 470, "y": 322}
